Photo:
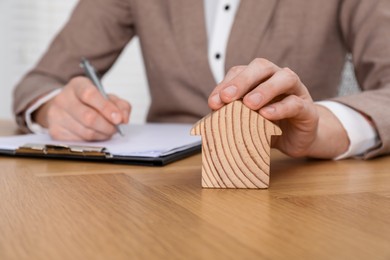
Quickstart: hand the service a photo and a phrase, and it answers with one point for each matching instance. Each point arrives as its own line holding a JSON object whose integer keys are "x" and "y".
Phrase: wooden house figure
{"x": 236, "y": 145}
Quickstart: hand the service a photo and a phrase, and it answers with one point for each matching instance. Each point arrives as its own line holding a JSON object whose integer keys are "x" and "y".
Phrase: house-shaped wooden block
{"x": 236, "y": 145}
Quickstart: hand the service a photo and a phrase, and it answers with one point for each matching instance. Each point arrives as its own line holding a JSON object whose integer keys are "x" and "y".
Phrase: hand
{"x": 279, "y": 95}
{"x": 80, "y": 112}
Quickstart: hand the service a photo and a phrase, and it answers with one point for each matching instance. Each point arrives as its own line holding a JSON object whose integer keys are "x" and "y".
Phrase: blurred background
{"x": 26, "y": 29}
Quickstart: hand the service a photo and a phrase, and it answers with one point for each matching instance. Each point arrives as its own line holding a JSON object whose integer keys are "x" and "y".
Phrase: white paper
{"x": 146, "y": 140}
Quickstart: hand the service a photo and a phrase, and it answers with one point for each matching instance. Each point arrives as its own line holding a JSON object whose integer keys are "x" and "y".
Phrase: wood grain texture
{"x": 313, "y": 209}
{"x": 236, "y": 144}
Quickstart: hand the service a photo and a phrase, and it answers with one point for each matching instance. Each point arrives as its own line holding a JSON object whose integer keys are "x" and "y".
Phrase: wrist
{"x": 331, "y": 138}
{"x": 39, "y": 116}
{"x": 36, "y": 113}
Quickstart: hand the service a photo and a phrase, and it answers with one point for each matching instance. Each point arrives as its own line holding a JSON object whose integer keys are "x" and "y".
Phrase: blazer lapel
{"x": 188, "y": 23}
{"x": 252, "y": 20}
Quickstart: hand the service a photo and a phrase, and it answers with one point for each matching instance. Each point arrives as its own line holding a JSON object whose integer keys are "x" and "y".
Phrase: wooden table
{"x": 52, "y": 209}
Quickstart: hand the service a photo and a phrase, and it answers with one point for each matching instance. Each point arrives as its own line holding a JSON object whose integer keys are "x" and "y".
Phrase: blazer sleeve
{"x": 97, "y": 30}
{"x": 365, "y": 26}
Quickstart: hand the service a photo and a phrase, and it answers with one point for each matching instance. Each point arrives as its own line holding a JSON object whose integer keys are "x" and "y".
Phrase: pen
{"x": 91, "y": 74}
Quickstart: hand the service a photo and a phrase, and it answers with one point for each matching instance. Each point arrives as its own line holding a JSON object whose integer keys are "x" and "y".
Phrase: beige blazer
{"x": 310, "y": 37}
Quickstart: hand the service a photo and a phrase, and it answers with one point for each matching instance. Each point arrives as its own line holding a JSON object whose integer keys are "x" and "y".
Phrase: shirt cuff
{"x": 33, "y": 126}
{"x": 362, "y": 135}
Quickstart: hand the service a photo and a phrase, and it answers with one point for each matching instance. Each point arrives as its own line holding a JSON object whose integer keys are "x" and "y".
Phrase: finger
{"x": 215, "y": 101}
{"x": 123, "y": 106}
{"x": 90, "y": 119}
{"x": 290, "y": 107}
{"x": 283, "y": 82}
{"x": 68, "y": 112}
{"x": 83, "y": 114}
{"x": 232, "y": 73}
{"x": 88, "y": 94}
{"x": 255, "y": 73}
{"x": 63, "y": 134}
{"x": 64, "y": 127}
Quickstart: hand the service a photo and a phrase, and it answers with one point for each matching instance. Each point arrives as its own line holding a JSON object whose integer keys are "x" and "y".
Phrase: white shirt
{"x": 219, "y": 18}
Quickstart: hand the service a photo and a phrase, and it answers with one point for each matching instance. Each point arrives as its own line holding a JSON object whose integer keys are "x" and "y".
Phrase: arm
{"x": 361, "y": 133}
{"x": 98, "y": 30}
{"x": 365, "y": 27}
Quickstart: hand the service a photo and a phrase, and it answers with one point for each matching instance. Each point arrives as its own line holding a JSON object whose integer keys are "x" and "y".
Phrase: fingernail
{"x": 254, "y": 99}
{"x": 268, "y": 110}
{"x": 115, "y": 118}
{"x": 230, "y": 91}
{"x": 216, "y": 99}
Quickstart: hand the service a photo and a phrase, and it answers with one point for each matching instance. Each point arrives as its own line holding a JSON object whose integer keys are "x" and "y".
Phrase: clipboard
{"x": 147, "y": 144}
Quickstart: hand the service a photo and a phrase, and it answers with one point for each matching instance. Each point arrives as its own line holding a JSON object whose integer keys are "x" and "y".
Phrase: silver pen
{"x": 91, "y": 74}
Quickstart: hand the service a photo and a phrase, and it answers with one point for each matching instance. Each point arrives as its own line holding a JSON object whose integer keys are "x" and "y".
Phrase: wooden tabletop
{"x": 52, "y": 209}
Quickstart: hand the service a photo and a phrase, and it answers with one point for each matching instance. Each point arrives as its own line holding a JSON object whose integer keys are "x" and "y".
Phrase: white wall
{"x": 27, "y": 27}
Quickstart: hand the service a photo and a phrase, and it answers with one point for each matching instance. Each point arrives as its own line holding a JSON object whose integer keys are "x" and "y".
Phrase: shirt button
{"x": 217, "y": 56}
{"x": 227, "y": 7}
